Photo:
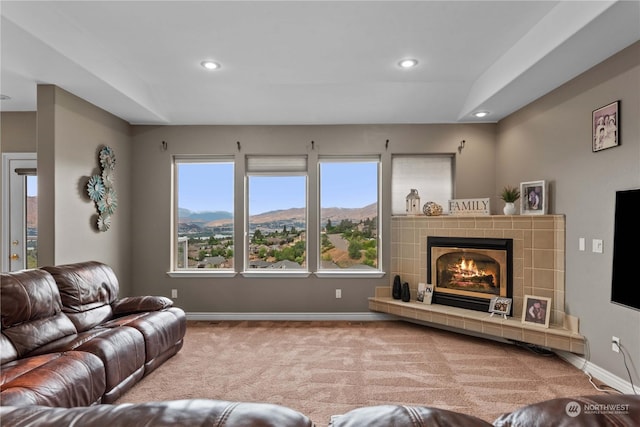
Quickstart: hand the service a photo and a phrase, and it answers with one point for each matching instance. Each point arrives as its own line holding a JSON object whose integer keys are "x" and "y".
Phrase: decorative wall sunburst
{"x": 101, "y": 189}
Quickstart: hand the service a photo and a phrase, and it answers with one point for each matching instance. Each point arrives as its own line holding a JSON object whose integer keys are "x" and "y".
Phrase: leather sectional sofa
{"x": 589, "y": 411}
{"x": 68, "y": 340}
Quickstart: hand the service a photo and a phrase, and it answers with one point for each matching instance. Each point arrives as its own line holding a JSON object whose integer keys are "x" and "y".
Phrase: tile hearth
{"x": 538, "y": 269}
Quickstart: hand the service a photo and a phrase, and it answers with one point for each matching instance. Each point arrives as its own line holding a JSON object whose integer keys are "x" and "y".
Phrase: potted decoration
{"x": 510, "y": 195}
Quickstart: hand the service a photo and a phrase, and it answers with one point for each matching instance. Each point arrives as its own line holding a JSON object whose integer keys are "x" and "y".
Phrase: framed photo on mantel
{"x": 533, "y": 197}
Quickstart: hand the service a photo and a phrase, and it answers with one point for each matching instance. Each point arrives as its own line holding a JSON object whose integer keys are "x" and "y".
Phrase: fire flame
{"x": 469, "y": 268}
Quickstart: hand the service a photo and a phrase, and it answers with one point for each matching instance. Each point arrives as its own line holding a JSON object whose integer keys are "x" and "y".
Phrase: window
{"x": 204, "y": 213}
{"x": 431, "y": 175}
{"x": 349, "y": 220}
{"x": 31, "y": 207}
{"x": 277, "y": 213}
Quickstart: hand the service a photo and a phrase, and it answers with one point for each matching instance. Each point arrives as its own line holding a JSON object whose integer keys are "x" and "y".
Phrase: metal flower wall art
{"x": 101, "y": 190}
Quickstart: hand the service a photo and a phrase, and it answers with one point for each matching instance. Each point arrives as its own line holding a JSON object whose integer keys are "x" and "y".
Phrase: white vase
{"x": 509, "y": 208}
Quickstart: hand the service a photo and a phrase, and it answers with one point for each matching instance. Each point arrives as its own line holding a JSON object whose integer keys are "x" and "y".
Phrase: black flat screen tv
{"x": 625, "y": 280}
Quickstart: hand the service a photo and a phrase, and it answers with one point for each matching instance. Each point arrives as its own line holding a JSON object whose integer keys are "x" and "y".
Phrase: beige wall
{"x": 152, "y": 204}
{"x": 551, "y": 139}
{"x": 18, "y": 132}
{"x": 71, "y": 132}
{"x": 17, "y": 135}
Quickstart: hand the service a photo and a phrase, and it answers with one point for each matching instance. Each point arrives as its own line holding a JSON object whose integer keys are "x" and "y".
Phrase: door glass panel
{"x": 31, "y": 217}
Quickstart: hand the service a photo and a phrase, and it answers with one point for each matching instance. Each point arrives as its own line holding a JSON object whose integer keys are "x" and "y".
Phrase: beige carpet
{"x": 326, "y": 368}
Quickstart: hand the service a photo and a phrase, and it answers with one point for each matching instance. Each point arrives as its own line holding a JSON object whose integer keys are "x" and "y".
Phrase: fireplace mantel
{"x": 538, "y": 269}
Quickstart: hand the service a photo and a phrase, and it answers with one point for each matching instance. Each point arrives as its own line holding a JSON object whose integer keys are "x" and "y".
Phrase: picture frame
{"x": 605, "y": 126}
{"x": 500, "y": 305}
{"x": 425, "y": 293}
{"x": 533, "y": 198}
{"x": 536, "y": 310}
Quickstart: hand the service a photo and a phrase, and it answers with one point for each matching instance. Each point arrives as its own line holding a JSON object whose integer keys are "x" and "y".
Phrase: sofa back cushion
{"x": 87, "y": 290}
{"x": 31, "y": 311}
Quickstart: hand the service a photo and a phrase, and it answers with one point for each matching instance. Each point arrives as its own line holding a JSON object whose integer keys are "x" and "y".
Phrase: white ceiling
{"x": 305, "y": 62}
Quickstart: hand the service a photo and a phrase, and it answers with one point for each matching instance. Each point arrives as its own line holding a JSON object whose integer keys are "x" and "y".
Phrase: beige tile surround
{"x": 538, "y": 269}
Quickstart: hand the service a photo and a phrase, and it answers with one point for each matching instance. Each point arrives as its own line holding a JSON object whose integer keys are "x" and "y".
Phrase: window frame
{"x": 274, "y": 166}
{"x": 175, "y": 239}
{"x": 350, "y": 273}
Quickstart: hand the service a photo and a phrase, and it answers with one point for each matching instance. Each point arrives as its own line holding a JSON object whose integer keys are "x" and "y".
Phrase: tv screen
{"x": 625, "y": 281}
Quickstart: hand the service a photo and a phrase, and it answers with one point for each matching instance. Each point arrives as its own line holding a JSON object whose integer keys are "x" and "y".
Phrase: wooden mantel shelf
{"x": 555, "y": 337}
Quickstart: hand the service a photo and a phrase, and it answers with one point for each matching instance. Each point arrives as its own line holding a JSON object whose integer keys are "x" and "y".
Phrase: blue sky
{"x": 345, "y": 185}
{"x": 32, "y": 185}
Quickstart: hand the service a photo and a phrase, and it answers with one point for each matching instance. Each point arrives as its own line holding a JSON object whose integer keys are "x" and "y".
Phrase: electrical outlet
{"x": 615, "y": 344}
{"x": 596, "y": 246}
{"x": 174, "y": 293}
{"x": 338, "y": 293}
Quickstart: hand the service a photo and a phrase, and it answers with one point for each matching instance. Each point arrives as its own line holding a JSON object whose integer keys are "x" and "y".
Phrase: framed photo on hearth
{"x": 425, "y": 293}
{"x": 533, "y": 197}
{"x": 500, "y": 305}
{"x": 605, "y": 126}
{"x": 536, "y": 310}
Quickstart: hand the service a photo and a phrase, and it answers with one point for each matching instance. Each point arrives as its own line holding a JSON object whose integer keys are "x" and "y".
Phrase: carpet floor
{"x": 327, "y": 368}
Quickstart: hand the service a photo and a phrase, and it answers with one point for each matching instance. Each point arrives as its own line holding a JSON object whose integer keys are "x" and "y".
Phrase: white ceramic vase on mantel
{"x": 509, "y": 208}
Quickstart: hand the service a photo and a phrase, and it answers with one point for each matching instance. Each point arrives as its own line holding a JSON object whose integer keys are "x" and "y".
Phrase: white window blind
{"x": 257, "y": 165}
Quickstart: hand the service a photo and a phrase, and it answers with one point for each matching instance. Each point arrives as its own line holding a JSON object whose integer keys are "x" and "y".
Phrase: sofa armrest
{"x": 138, "y": 304}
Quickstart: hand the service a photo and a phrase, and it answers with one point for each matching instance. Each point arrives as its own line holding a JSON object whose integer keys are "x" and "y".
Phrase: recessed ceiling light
{"x": 408, "y": 63}
{"x": 210, "y": 65}
{"x": 481, "y": 114}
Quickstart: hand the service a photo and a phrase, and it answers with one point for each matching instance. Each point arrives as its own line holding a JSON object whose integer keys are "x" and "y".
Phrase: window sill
{"x": 275, "y": 273}
{"x": 349, "y": 274}
{"x": 201, "y": 273}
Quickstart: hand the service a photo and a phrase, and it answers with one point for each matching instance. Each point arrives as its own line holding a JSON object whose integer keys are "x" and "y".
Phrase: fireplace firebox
{"x": 467, "y": 272}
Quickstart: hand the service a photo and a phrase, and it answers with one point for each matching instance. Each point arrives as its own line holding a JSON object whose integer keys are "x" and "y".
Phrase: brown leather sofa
{"x": 177, "y": 413}
{"x": 586, "y": 411}
{"x": 67, "y": 339}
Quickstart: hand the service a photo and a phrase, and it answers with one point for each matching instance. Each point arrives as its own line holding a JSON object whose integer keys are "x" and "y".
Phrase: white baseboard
{"x": 355, "y": 317}
{"x": 596, "y": 371}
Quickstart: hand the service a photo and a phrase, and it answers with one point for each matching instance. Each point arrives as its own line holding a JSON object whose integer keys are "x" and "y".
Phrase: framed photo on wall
{"x": 605, "y": 123}
{"x": 536, "y": 310}
{"x": 533, "y": 198}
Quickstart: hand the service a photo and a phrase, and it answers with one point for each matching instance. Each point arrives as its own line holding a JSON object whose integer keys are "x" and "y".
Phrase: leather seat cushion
{"x": 162, "y": 330}
{"x": 56, "y": 379}
{"x": 121, "y": 350}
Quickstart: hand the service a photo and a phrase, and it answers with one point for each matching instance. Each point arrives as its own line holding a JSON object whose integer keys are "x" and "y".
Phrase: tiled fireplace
{"x": 538, "y": 263}
{"x": 538, "y": 251}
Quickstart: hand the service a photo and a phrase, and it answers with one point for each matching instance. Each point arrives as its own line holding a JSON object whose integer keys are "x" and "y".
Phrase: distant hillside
{"x": 298, "y": 214}
{"x": 186, "y": 215}
{"x": 32, "y": 211}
